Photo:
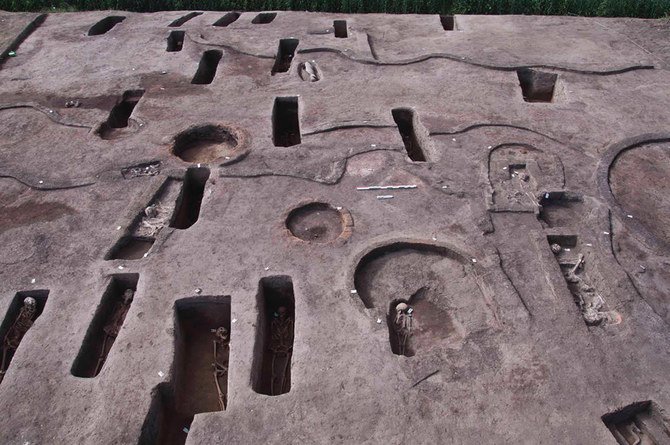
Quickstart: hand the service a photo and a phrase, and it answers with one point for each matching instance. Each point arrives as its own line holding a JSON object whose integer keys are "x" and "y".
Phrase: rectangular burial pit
{"x": 640, "y": 423}
{"x": 105, "y": 326}
{"x": 202, "y": 327}
{"x": 15, "y": 325}
{"x": 175, "y": 41}
{"x": 406, "y": 120}
{"x": 273, "y": 347}
{"x": 207, "y": 67}
{"x": 286, "y": 122}
{"x": 188, "y": 204}
{"x": 285, "y": 54}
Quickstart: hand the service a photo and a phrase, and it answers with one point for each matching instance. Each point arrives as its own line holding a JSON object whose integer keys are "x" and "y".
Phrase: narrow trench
{"x": 175, "y": 41}
{"x": 25, "y": 308}
{"x": 118, "y": 117}
{"x": 286, "y": 122}
{"x": 448, "y": 22}
{"x": 536, "y": 86}
{"x": 405, "y": 120}
{"x": 130, "y": 248}
{"x": 104, "y": 25}
{"x": 183, "y": 19}
{"x": 264, "y": 18}
{"x": 273, "y": 347}
{"x": 207, "y": 67}
{"x": 340, "y": 27}
{"x": 105, "y": 325}
{"x": 285, "y": 54}
{"x": 227, "y": 19}
{"x": 199, "y": 374}
{"x": 187, "y": 211}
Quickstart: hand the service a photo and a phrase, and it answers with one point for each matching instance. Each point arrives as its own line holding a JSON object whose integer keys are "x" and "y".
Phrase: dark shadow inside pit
{"x": 163, "y": 425}
{"x": 130, "y": 248}
{"x": 448, "y": 22}
{"x": 639, "y": 423}
{"x": 105, "y": 25}
{"x": 187, "y": 211}
{"x": 559, "y": 209}
{"x": 11, "y": 332}
{"x": 209, "y": 62}
{"x": 536, "y": 86}
{"x": 273, "y": 347}
{"x": 175, "y": 41}
{"x": 285, "y": 54}
{"x": 204, "y": 143}
{"x": 183, "y": 19}
{"x": 405, "y": 119}
{"x": 564, "y": 241}
{"x": 105, "y": 325}
{"x": 286, "y": 122}
{"x": 118, "y": 117}
{"x": 316, "y": 222}
{"x": 196, "y": 383}
{"x": 340, "y": 27}
{"x": 227, "y": 19}
{"x": 264, "y": 18}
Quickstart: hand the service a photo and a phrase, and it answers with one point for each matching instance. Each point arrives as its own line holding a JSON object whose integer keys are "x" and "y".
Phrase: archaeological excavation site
{"x": 310, "y": 228}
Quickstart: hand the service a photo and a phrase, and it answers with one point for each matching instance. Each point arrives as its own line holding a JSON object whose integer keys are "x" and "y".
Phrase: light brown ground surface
{"x": 512, "y": 343}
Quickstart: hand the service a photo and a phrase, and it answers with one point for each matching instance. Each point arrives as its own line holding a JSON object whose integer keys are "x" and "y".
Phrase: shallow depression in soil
{"x": 205, "y": 143}
{"x": 315, "y": 222}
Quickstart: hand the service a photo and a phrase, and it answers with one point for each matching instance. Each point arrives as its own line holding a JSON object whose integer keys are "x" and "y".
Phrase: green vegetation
{"x": 627, "y": 8}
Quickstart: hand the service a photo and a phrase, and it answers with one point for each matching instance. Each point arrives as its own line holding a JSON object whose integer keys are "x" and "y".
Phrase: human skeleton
{"x": 402, "y": 325}
{"x": 16, "y": 332}
{"x": 111, "y": 329}
{"x": 281, "y": 346}
{"x": 221, "y": 343}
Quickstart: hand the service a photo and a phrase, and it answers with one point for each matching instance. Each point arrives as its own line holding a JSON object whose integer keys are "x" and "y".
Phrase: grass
{"x": 612, "y": 8}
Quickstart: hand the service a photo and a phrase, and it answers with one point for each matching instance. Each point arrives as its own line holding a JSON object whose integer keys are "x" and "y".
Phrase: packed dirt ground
{"x": 286, "y": 227}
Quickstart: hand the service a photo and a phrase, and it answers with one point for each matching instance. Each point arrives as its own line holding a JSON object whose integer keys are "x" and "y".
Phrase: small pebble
{"x": 379, "y": 320}
{"x": 118, "y": 227}
{"x": 630, "y": 216}
{"x": 40, "y": 182}
{"x": 121, "y": 267}
{"x": 160, "y": 374}
{"x": 33, "y": 281}
{"x": 353, "y": 291}
{"x": 474, "y": 260}
{"x": 198, "y": 290}
{"x": 234, "y": 320}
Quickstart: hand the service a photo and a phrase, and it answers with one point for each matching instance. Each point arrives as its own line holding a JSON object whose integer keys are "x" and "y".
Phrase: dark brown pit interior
{"x": 187, "y": 211}
{"x": 315, "y": 222}
{"x": 227, "y": 19}
{"x": 207, "y": 67}
{"x": 264, "y": 18}
{"x": 181, "y": 20}
{"x": 536, "y": 86}
{"x": 404, "y": 119}
{"x": 271, "y": 373}
{"x": 97, "y": 343}
{"x": 285, "y": 54}
{"x": 104, "y": 25}
{"x": 286, "y": 122}
{"x": 340, "y": 27}
{"x": 175, "y": 41}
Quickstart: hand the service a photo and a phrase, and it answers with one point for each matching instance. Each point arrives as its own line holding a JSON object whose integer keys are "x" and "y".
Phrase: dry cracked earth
{"x": 311, "y": 228}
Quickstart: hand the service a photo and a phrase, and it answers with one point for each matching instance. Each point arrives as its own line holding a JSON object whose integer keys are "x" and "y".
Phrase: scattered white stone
{"x": 40, "y": 182}
{"x": 630, "y": 216}
{"x": 384, "y": 196}
{"x": 490, "y": 147}
{"x": 453, "y": 139}
{"x": 121, "y": 267}
{"x": 185, "y": 430}
{"x": 227, "y": 157}
{"x": 33, "y": 281}
{"x": 379, "y": 320}
{"x": 373, "y": 145}
{"x": 474, "y": 260}
{"x": 267, "y": 268}
{"x": 589, "y": 244}
{"x": 163, "y": 72}
{"x": 160, "y": 374}
{"x": 198, "y": 165}
{"x": 118, "y": 227}
{"x": 198, "y": 290}
{"x": 504, "y": 168}
{"x": 146, "y": 255}
{"x": 353, "y": 291}
{"x": 434, "y": 239}
{"x": 234, "y": 320}
{"x": 338, "y": 208}
{"x": 606, "y": 233}
{"x": 567, "y": 250}
{"x": 444, "y": 187}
